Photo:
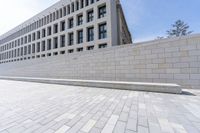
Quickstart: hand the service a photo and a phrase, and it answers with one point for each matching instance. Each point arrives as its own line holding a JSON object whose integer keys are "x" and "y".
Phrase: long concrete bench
{"x": 136, "y": 86}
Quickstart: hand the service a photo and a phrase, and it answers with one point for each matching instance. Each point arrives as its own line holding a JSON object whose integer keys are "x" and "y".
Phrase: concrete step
{"x": 135, "y": 86}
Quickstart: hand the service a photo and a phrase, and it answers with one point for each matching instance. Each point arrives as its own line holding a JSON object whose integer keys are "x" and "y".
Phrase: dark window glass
{"x": 90, "y": 16}
{"x": 90, "y": 34}
{"x": 62, "y": 41}
{"x": 102, "y": 11}
{"x": 80, "y": 36}
{"x": 102, "y": 31}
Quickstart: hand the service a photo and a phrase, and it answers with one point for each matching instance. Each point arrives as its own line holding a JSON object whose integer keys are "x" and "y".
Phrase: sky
{"x": 147, "y": 19}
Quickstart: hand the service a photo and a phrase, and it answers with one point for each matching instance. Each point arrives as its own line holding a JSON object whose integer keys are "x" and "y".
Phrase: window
{"x": 79, "y": 49}
{"x": 90, "y": 47}
{"x": 33, "y": 36}
{"x": 86, "y": 2}
{"x": 62, "y": 26}
{"x": 55, "y": 28}
{"x": 70, "y": 51}
{"x": 90, "y": 16}
{"x": 102, "y": 45}
{"x": 65, "y": 11}
{"x": 38, "y": 35}
{"x": 77, "y": 5}
{"x": 61, "y": 13}
{"x": 33, "y": 48}
{"x": 49, "y": 44}
{"x": 62, "y": 41}
{"x": 82, "y": 3}
{"x": 43, "y": 46}
{"x": 90, "y": 34}
{"x": 102, "y": 11}
{"x": 29, "y": 38}
{"x": 55, "y": 41}
{"x": 43, "y": 32}
{"x": 80, "y": 36}
{"x": 38, "y": 47}
{"x": 21, "y": 51}
{"x": 25, "y": 50}
{"x": 72, "y": 7}
{"x": 25, "y": 39}
{"x": 91, "y": 1}
{"x": 49, "y": 31}
{"x": 68, "y": 9}
{"x": 80, "y": 20}
{"x": 102, "y": 31}
{"x": 62, "y": 52}
{"x": 71, "y": 23}
{"x": 71, "y": 39}
{"x": 29, "y": 49}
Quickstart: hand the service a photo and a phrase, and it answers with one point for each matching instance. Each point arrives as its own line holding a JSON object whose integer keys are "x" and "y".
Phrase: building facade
{"x": 67, "y": 27}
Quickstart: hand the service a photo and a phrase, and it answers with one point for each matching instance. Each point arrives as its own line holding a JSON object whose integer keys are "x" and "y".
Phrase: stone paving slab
{"x": 27, "y": 107}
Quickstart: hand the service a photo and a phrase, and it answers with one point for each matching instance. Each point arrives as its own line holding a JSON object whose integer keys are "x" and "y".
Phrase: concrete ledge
{"x": 136, "y": 86}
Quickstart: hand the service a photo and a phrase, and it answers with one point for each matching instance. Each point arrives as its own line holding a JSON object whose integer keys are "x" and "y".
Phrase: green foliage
{"x": 180, "y": 28}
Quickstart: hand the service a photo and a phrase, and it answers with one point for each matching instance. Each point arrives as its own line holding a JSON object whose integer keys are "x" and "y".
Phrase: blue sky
{"x": 146, "y": 19}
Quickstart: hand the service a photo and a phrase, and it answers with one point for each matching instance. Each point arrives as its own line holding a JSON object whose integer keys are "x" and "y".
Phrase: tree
{"x": 180, "y": 28}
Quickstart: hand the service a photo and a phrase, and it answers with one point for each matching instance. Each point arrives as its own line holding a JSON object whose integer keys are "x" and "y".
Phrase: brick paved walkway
{"x": 47, "y": 108}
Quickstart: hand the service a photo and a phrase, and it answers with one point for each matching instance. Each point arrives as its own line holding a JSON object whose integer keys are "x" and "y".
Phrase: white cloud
{"x": 14, "y": 12}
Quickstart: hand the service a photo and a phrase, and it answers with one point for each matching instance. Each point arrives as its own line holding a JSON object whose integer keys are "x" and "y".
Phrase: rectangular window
{"x": 55, "y": 28}
{"x": 70, "y": 51}
{"x": 61, "y": 13}
{"x": 80, "y": 36}
{"x": 29, "y": 38}
{"x": 62, "y": 26}
{"x": 38, "y": 47}
{"x": 49, "y": 44}
{"x": 80, "y": 19}
{"x": 43, "y": 32}
{"x": 70, "y": 23}
{"x": 65, "y": 11}
{"x": 71, "y": 39}
{"x": 86, "y": 2}
{"x": 43, "y": 46}
{"x": 102, "y": 11}
{"x": 102, "y": 45}
{"x": 90, "y": 16}
{"x": 38, "y": 35}
{"x": 33, "y": 48}
{"x": 62, "y": 41}
{"x": 82, "y": 3}
{"x": 55, "y": 42}
{"x": 90, "y": 47}
{"x": 25, "y": 50}
{"x": 102, "y": 31}
{"x": 33, "y": 36}
{"x": 49, "y": 31}
{"x": 79, "y": 49}
{"x": 29, "y": 49}
{"x": 90, "y": 34}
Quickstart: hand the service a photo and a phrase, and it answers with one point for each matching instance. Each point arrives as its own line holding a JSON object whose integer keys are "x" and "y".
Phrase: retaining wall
{"x": 175, "y": 60}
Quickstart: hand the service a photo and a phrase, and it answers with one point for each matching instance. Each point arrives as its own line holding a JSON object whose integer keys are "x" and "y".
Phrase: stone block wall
{"x": 175, "y": 60}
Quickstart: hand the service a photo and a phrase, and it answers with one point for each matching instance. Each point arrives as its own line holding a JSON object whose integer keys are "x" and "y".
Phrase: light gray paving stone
{"x": 120, "y": 127}
{"x": 40, "y": 108}
{"x": 142, "y": 129}
{"x": 123, "y": 117}
{"x": 132, "y": 124}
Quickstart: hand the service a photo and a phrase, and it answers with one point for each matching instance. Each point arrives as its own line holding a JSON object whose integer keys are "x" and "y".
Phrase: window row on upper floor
{"x": 56, "y": 28}
{"x": 29, "y": 52}
{"x": 62, "y": 12}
